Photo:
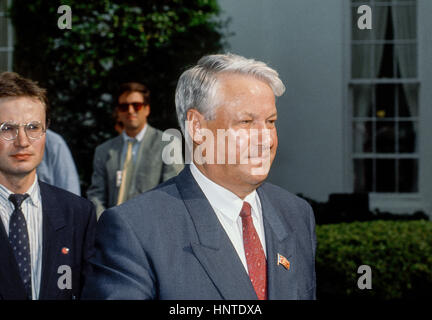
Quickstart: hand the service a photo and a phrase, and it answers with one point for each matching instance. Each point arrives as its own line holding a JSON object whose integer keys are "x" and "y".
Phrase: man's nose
{"x": 22, "y": 140}
{"x": 131, "y": 108}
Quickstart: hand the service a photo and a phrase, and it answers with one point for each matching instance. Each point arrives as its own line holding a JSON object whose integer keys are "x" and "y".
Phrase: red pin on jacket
{"x": 283, "y": 261}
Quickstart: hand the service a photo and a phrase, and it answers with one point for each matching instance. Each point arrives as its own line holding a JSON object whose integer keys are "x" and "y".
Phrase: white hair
{"x": 196, "y": 88}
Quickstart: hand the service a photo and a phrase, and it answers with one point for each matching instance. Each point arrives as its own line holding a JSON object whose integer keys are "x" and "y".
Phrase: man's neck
{"x": 133, "y": 132}
{"x": 18, "y": 184}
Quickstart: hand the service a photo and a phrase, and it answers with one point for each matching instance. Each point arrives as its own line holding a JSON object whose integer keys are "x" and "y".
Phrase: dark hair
{"x": 13, "y": 85}
{"x": 135, "y": 87}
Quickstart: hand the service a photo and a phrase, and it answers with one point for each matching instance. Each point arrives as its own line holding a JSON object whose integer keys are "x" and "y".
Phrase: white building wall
{"x": 307, "y": 41}
{"x": 303, "y": 41}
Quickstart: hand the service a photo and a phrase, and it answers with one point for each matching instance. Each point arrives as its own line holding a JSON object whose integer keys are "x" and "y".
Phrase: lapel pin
{"x": 283, "y": 261}
{"x": 65, "y": 250}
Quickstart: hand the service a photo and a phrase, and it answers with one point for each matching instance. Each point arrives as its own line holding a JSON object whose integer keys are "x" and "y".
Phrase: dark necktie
{"x": 18, "y": 238}
{"x": 255, "y": 257}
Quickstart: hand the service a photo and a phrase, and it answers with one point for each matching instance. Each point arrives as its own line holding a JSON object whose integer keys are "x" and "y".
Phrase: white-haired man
{"x": 216, "y": 231}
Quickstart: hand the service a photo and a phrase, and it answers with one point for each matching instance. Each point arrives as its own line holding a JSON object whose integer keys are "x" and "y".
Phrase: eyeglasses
{"x": 123, "y": 107}
{"x": 9, "y": 130}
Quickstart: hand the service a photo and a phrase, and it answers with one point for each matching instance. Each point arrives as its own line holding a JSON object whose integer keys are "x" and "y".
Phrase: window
{"x": 384, "y": 89}
{"x": 6, "y": 46}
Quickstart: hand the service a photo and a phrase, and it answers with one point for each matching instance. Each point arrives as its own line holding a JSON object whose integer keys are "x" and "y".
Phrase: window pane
{"x": 384, "y": 61}
{"x": 3, "y": 32}
{"x": 363, "y": 173}
{"x": 3, "y": 61}
{"x": 406, "y": 60}
{"x": 361, "y": 62}
{"x": 408, "y": 175}
{"x": 408, "y": 136}
{"x": 3, "y": 5}
{"x": 385, "y": 175}
{"x": 362, "y": 100}
{"x": 385, "y": 137}
{"x": 405, "y": 22}
{"x": 356, "y": 33}
{"x": 382, "y": 23}
{"x": 362, "y": 138}
{"x": 385, "y": 100}
{"x": 408, "y": 100}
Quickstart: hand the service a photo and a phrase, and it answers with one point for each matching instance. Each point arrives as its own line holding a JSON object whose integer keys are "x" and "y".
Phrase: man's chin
{"x": 257, "y": 175}
{"x": 131, "y": 126}
{"x": 23, "y": 168}
{"x": 259, "y": 167}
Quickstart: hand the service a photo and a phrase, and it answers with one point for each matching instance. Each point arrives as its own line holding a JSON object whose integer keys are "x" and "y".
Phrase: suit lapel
{"x": 144, "y": 161}
{"x": 52, "y": 225}
{"x": 280, "y": 239}
{"x": 11, "y": 285}
{"x": 214, "y": 250}
{"x": 113, "y": 165}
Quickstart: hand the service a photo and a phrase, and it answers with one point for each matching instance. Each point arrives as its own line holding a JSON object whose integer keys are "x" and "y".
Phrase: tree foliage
{"x": 110, "y": 42}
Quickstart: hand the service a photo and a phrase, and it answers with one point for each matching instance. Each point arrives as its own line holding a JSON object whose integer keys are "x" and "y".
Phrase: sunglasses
{"x": 123, "y": 107}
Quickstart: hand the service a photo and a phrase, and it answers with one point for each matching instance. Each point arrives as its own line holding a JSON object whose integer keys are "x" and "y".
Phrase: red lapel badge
{"x": 65, "y": 250}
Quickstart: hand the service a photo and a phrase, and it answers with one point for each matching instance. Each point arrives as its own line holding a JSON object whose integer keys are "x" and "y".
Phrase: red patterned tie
{"x": 255, "y": 257}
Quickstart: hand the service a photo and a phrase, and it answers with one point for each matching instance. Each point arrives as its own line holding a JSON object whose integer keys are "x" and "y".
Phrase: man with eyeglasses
{"x": 46, "y": 233}
{"x": 130, "y": 163}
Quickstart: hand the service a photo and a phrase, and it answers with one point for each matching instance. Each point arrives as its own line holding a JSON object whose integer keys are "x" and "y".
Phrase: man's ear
{"x": 194, "y": 125}
{"x": 147, "y": 110}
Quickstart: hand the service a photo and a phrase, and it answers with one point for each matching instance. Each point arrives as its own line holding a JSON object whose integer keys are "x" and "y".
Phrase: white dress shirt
{"x": 227, "y": 207}
{"x": 32, "y": 210}
{"x": 135, "y": 146}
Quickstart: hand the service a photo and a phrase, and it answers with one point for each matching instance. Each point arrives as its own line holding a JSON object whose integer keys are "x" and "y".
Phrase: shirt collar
{"x": 33, "y": 193}
{"x": 221, "y": 198}
{"x": 138, "y": 137}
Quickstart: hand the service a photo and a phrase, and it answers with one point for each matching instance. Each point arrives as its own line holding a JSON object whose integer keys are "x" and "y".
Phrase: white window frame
{"x": 9, "y": 47}
{"x": 391, "y": 201}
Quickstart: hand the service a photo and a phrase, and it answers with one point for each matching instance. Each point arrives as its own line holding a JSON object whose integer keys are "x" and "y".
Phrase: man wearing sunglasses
{"x": 130, "y": 163}
{"x": 46, "y": 233}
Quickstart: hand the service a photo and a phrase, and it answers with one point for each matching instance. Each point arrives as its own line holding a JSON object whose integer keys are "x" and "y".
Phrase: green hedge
{"x": 398, "y": 252}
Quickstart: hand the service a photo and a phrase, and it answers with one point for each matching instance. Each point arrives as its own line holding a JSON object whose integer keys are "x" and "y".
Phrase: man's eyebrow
{"x": 245, "y": 113}
{"x": 252, "y": 115}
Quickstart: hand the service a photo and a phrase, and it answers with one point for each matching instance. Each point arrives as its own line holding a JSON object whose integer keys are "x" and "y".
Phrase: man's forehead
{"x": 21, "y": 107}
{"x": 134, "y": 95}
{"x": 21, "y": 99}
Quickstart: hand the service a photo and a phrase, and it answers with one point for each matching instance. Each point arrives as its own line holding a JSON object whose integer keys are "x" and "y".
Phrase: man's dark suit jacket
{"x": 69, "y": 222}
{"x": 169, "y": 244}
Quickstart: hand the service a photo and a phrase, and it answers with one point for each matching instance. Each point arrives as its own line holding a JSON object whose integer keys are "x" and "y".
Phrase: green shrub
{"x": 398, "y": 252}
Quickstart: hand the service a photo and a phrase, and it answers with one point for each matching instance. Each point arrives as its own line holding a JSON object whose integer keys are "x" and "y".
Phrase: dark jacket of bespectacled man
{"x": 46, "y": 233}
{"x": 130, "y": 163}
{"x": 217, "y": 230}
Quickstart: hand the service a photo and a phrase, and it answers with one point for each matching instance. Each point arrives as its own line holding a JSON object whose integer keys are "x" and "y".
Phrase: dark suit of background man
{"x": 216, "y": 231}
{"x": 46, "y": 233}
{"x": 130, "y": 163}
